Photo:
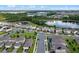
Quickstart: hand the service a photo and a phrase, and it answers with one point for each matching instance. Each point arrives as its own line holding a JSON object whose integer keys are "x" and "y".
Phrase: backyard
{"x": 20, "y": 49}
{"x": 27, "y": 35}
{"x": 2, "y": 48}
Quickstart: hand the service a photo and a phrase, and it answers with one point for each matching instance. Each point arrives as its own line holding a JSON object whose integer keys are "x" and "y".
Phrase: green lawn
{"x": 2, "y": 48}
{"x": 2, "y": 33}
{"x": 20, "y": 49}
{"x": 25, "y": 34}
{"x": 10, "y": 49}
{"x": 72, "y": 45}
{"x": 29, "y": 34}
{"x": 15, "y": 35}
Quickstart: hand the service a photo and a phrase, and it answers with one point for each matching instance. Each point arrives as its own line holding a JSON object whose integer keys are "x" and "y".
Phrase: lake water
{"x": 62, "y": 24}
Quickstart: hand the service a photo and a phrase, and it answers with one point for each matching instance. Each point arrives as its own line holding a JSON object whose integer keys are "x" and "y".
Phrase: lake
{"x": 62, "y": 24}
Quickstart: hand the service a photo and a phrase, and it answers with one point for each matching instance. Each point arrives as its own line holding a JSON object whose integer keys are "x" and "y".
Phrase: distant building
{"x": 30, "y": 14}
{"x": 41, "y": 14}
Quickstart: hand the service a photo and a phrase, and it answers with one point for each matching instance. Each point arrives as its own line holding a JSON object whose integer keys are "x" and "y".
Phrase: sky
{"x": 39, "y": 7}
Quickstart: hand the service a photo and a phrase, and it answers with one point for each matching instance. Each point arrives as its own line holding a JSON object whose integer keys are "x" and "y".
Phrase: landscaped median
{"x": 72, "y": 45}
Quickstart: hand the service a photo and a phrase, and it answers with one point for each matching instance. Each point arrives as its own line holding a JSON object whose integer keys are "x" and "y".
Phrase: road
{"x": 41, "y": 43}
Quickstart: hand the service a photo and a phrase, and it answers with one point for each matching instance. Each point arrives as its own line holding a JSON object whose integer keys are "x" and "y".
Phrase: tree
{"x": 51, "y": 13}
{"x": 54, "y": 29}
{"x": 18, "y": 36}
{"x": 63, "y": 30}
{"x": 25, "y": 19}
{"x": 22, "y": 31}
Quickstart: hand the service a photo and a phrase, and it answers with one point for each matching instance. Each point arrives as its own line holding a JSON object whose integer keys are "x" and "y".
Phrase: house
{"x": 76, "y": 32}
{"x": 1, "y": 40}
{"x": 41, "y": 14}
{"x": 66, "y": 31}
{"x": 8, "y": 44}
{"x": 38, "y": 29}
{"x": 12, "y": 40}
{"x": 27, "y": 44}
{"x": 6, "y": 28}
{"x": 1, "y": 44}
{"x": 4, "y": 38}
{"x": 57, "y": 16}
{"x": 17, "y": 45}
{"x": 58, "y": 31}
{"x": 30, "y": 14}
{"x": 45, "y": 29}
{"x": 33, "y": 28}
{"x": 20, "y": 40}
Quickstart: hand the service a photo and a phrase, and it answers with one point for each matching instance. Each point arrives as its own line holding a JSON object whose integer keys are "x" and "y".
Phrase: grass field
{"x": 28, "y": 34}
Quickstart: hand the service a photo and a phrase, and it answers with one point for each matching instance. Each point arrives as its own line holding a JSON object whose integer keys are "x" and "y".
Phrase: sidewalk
{"x": 35, "y": 46}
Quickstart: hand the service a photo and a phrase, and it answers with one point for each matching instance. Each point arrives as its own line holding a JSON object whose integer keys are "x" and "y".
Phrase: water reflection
{"x": 62, "y": 24}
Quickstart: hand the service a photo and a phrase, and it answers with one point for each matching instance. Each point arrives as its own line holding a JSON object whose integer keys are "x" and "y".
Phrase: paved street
{"x": 41, "y": 43}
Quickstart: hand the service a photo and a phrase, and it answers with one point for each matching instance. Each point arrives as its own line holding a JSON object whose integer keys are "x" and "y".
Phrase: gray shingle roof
{"x": 17, "y": 44}
{"x": 27, "y": 44}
